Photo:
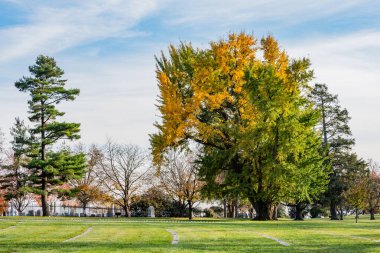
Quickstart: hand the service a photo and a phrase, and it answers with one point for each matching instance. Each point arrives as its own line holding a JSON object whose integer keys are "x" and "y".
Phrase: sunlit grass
{"x": 39, "y": 234}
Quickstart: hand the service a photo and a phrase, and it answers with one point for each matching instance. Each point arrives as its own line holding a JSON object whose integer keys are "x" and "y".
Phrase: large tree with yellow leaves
{"x": 246, "y": 104}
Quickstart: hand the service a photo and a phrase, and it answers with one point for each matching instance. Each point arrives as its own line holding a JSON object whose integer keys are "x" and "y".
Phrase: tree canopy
{"x": 48, "y": 168}
{"x": 250, "y": 113}
{"x": 337, "y": 143}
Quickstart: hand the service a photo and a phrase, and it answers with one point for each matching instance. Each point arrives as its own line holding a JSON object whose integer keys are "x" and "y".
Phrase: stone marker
{"x": 151, "y": 212}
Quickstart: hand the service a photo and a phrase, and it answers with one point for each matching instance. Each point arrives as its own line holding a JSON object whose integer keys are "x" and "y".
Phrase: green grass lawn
{"x": 38, "y": 234}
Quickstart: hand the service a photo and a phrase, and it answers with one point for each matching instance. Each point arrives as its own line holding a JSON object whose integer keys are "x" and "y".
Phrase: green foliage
{"x": 354, "y": 174}
{"x": 251, "y": 116}
{"x": 164, "y": 205}
{"x": 47, "y": 89}
{"x": 14, "y": 176}
{"x": 372, "y": 188}
{"x": 334, "y": 122}
{"x": 283, "y": 147}
{"x": 337, "y": 142}
{"x": 213, "y": 212}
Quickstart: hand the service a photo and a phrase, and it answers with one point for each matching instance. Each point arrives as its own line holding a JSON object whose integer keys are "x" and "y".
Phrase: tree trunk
{"x": 372, "y": 212}
{"x": 299, "y": 210}
{"x": 190, "y": 209}
{"x": 18, "y": 207}
{"x": 333, "y": 214}
{"x": 44, "y": 202}
{"x": 251, "y": 213}
{"x": 84, "y": 210}
{"x": 264, "y": 210}
{"x": 45, "y": 207}
{"x": 356, "y": 215}
{"x": 275, "y": 212}
{"x": 236, "y": 213}
{"x": 230, "y": 210}
{"x": 127, "y": 211}
{"x": 224, "y": 208}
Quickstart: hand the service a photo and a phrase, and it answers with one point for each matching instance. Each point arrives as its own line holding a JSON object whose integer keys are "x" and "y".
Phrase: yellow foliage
{"x": 214, "y": 83}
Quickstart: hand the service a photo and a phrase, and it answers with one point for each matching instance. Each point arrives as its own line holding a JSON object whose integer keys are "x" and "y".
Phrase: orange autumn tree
{"x": 245, "y": 103}
{"x": 3, "y": 205}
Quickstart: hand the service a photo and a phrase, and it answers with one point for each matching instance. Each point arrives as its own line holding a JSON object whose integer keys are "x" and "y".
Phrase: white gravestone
{"x": 151, "y": 212}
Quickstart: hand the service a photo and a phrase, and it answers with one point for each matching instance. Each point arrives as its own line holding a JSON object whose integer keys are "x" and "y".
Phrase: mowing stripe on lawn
{"x": 175, "y": 236}
{"x": 347, "y": 236}
{"x": 275, "y": 239}
{"x": 11, "y": 227}
{"x": 78, "y": 236}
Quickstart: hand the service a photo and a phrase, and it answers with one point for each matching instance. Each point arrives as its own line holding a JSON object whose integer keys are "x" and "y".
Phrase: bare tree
{"x": 179, "y": 178}
{"x": 88, "y": 188}
{"x": 3, "y": 202}
{"x": 123, "y": 170}
{"x": 1, "y": 147}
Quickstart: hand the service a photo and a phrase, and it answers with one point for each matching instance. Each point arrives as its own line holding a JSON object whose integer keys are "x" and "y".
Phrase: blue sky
{"x": 107, "y": 50}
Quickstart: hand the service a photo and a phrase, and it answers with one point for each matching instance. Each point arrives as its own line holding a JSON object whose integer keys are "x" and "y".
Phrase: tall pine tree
{"x": 337, "y": 141}
{"x": 47, "y": 89}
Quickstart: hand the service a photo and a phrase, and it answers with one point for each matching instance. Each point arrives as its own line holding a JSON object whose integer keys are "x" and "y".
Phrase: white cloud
{"x": 239, "y": 11}
{"x": 53, "y": 28}
{"x": 118, "y": 93}
{"x": 349, "y": 65}
{"x": 117, "y": 98}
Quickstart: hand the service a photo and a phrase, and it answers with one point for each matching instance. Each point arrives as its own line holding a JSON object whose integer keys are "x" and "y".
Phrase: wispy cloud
{"x": 349, "y": 64}
{"x": 346, "y": 61}
{"x": 117, "y": 99}
{"x": 238, "y": 11}
{"x": 118, "y": 86}
{"x": 53, "y": 28}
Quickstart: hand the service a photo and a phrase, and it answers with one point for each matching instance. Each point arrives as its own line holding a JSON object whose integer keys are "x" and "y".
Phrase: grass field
{"x": 38, "y": 234}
